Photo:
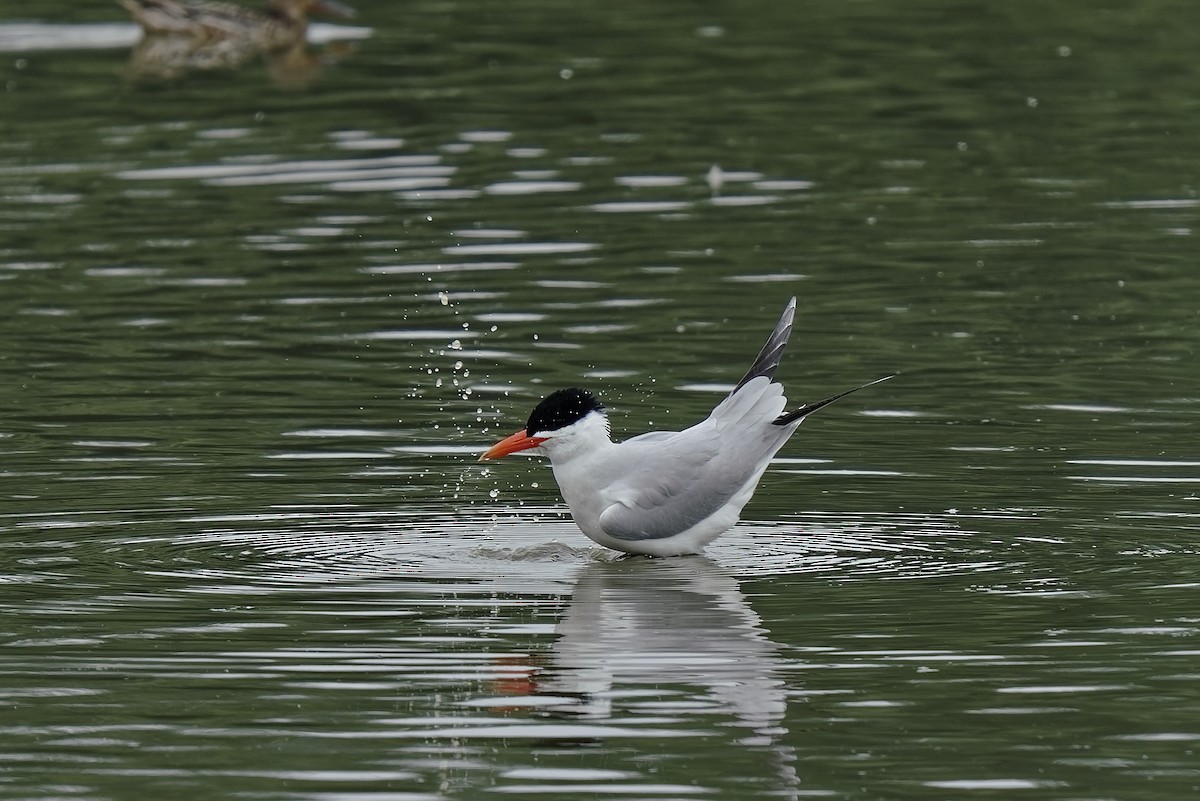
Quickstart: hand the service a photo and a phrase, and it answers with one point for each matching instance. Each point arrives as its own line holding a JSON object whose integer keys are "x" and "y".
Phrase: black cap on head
{"x": 561, "y": 408}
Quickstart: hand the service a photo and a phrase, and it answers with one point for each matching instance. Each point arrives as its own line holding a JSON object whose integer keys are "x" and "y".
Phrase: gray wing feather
{"x": 682, "y": 478}
{"x": 667, "y": 493}
{"x": 767, "y": 361}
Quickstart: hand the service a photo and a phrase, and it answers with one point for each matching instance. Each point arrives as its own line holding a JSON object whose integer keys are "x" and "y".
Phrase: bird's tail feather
{"x": 808, "y": 408}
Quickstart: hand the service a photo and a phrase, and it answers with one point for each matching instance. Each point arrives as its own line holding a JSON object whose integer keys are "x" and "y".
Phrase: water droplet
{"x": 495, "y": 493}
{"x": 715, "y": 178}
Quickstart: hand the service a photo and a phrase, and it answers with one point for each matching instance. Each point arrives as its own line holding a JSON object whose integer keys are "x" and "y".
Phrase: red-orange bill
{"x": 520, "y": 441}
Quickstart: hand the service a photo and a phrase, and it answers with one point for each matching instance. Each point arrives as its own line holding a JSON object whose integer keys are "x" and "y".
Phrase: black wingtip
{"x": 768, "y": 359}
{"x": 808, "y": 408}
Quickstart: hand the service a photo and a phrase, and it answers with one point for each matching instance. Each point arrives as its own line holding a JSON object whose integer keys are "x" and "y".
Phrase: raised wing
{"x": 678, "y": 480}
{"x": 767, "y": 361}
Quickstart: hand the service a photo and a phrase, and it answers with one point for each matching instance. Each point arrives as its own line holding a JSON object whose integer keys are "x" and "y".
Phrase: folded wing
{"x": 682, "y": 479}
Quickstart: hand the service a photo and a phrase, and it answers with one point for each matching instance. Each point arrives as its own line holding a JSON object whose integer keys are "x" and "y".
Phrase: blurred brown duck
{"x": 282, "y": 24}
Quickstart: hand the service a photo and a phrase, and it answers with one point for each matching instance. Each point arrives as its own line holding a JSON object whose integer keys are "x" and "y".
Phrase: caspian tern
{"x": 666, "y": 493}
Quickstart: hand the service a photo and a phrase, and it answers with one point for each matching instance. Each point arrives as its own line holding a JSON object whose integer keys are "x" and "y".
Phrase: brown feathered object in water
{"x": 281, "y": 24}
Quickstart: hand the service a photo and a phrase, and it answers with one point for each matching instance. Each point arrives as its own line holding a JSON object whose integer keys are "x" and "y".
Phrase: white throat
{"x": 585, "y": 435}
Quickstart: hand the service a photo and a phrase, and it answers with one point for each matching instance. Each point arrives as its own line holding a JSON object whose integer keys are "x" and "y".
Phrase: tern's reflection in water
{"x": 662, "y": 624}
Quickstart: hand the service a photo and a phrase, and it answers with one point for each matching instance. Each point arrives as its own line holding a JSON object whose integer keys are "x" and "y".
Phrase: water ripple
{"x": 520, "y": 549}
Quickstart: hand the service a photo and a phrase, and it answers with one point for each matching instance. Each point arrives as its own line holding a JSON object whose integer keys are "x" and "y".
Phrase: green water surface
{"x": 253, "y": 335}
